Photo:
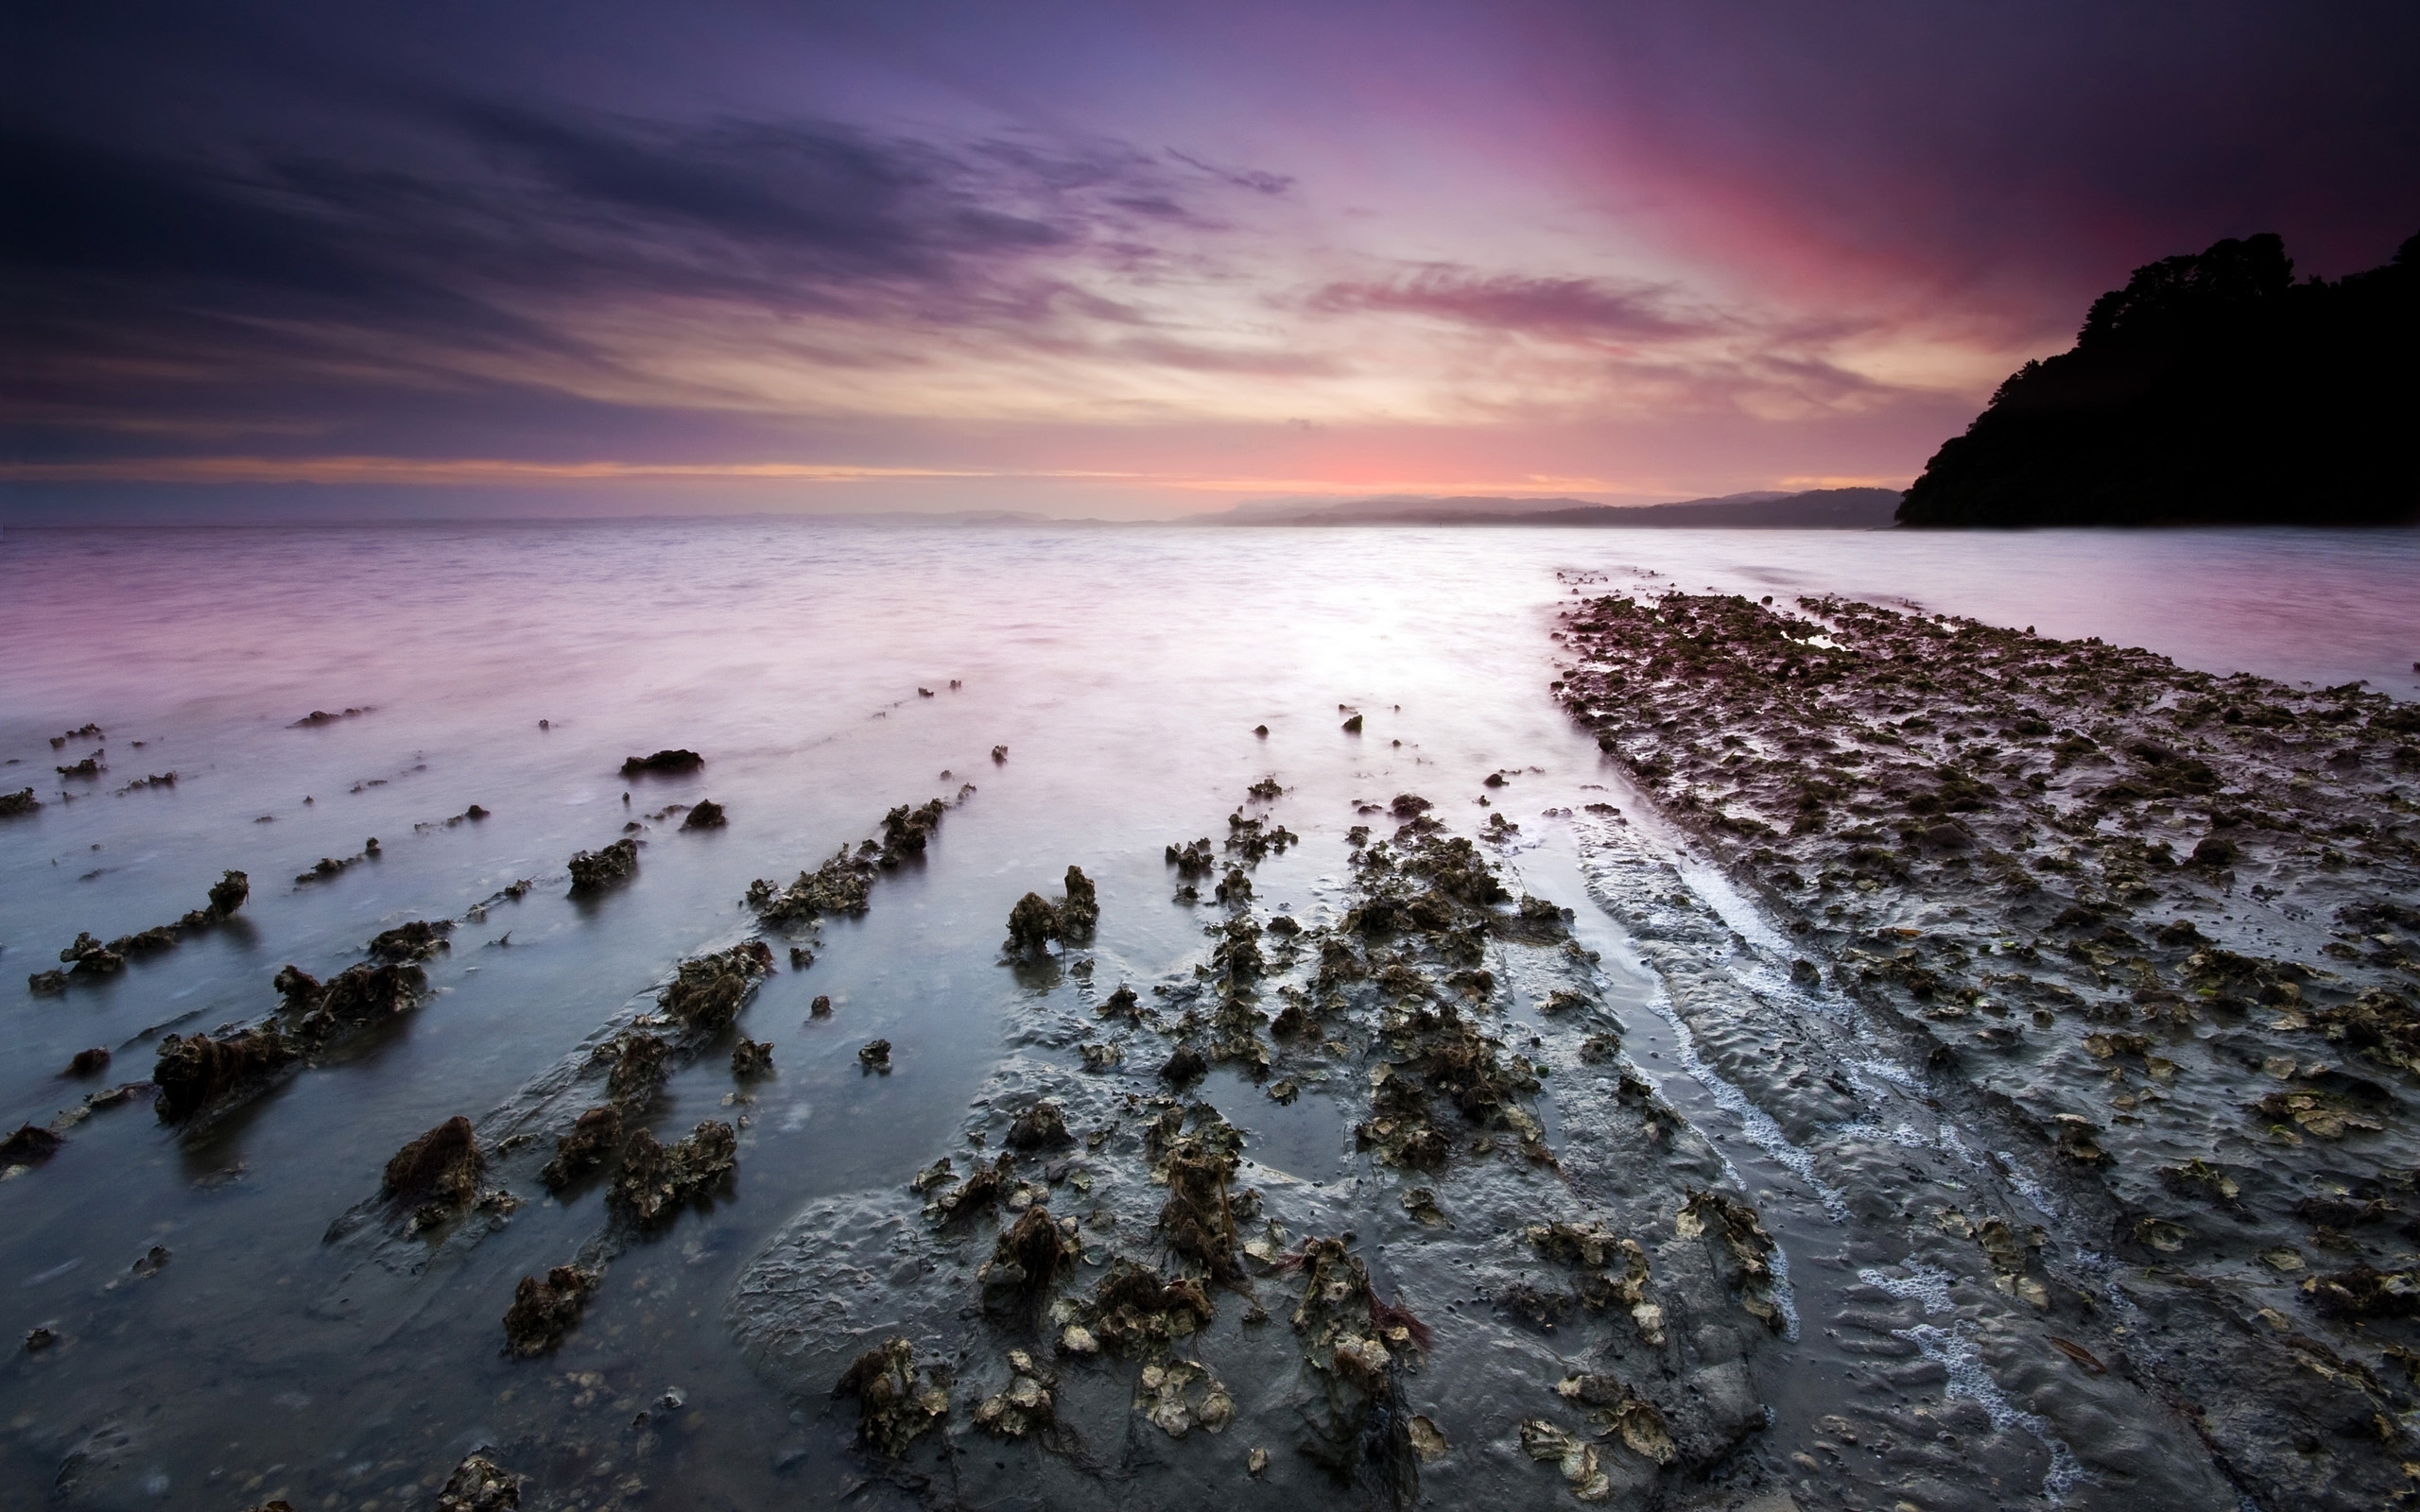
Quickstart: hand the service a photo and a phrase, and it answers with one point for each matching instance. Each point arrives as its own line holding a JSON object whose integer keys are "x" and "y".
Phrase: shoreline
{"x": 2220, "y": 1113}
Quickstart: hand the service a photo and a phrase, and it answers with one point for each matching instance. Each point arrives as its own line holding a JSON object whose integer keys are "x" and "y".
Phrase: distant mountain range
{"x": 1816, "y": 510}
{"x": 2211, "y": 389}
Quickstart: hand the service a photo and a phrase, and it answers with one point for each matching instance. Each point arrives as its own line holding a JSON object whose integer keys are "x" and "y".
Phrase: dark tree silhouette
{"x": 2211, "y": 389}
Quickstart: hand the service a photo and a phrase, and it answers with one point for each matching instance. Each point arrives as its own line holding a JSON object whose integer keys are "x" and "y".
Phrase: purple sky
{"x": 1110, "y": 259}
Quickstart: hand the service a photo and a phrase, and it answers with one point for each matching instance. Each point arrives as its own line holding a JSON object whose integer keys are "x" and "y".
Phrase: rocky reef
{"x": 88, "y": 958}
{"x": 1125, "y": 1308}
{"x": 2150, "y": 930}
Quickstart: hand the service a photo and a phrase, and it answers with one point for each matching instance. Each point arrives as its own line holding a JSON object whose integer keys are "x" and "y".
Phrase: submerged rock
{"x": 29, "y": 1145}
{"x": 318, "y": 717}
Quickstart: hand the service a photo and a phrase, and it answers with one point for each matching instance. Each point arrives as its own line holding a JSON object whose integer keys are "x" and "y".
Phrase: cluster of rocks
{"x": 2160, "y": 922}
{"x": 88, "y": 958}
{"x": 1122, "y": 1262}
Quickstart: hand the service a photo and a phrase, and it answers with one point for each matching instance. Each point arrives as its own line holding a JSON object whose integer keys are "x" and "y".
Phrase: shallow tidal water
{"x": 1123, "y": 669}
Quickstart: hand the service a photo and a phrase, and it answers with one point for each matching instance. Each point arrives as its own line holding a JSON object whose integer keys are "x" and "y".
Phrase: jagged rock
{"x": 897, "y": 1400}
{"x": 1080, "y": 913}
{"x": 480, "y": 1485}
{"x": 1023, "y": 1406}
{"x": 905, "y": 832}
{"x": 709, "y": 990}
{"x": 441, "y": 1167}
{"x": 656, "y": 1179}
{"x": 1028, "y": 1255}
{"x": 591, "y": 1140}
{"x": 750, "y": 1059}
{"x": 414, "y": 941}
{"x": 1033, "y": 923}
{"x": 546, "y": 1309}
{"x": 637, "y": 1070}
{"x": 194, "y": 1070}
{"x": 840, "y": 885}
{"x": 1039, "y": 1127}
{"x": 664, "y": 764}
{"x": 593, "y": 869}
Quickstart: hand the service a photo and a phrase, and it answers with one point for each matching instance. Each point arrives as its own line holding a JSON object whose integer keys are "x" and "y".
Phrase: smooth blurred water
{"x": 1124, "y": 669}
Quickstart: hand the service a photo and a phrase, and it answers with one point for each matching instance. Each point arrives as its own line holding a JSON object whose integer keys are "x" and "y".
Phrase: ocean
{"x": 1101, "y": 689}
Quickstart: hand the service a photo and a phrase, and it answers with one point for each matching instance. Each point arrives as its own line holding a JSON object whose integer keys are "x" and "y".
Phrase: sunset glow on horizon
{"x": 1092, "y": 261}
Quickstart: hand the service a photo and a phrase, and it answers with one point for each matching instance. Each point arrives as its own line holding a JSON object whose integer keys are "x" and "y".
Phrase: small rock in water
{"x": 480, "y": 1485}
{"x": 664, "y": 763}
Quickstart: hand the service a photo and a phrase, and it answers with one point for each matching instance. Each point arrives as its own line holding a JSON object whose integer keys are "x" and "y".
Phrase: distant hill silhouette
{"x": 2211, "y": 389}
{"x": 1818, "y": 509}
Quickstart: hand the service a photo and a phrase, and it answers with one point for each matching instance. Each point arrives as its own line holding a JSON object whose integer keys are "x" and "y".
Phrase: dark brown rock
{"x": 592, "y": 1138}
{"x": 664, "y": 764}
{"x": 442, "y": 1166}
{"x": 546, "y": 1309}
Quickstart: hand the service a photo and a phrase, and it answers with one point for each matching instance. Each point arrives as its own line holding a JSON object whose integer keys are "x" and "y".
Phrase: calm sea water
{"x": 1124, "y": 670}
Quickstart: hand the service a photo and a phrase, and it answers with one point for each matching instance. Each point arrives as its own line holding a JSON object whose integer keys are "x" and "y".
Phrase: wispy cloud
{"x": 1569, "y": 309}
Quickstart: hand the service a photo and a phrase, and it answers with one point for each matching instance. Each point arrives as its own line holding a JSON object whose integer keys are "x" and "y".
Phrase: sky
{"x": 307, "y": 261}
